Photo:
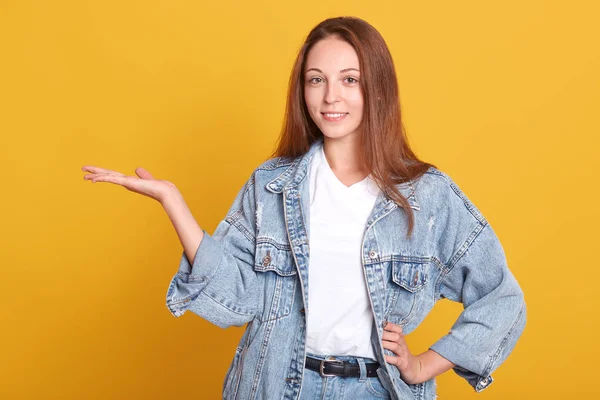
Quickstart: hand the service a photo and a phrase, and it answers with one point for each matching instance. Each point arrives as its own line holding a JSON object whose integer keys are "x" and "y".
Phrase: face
{"x": 332, "y": 89}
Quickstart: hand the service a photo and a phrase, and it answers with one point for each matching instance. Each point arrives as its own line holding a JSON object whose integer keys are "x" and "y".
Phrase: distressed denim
{"x": 254, "y": 270}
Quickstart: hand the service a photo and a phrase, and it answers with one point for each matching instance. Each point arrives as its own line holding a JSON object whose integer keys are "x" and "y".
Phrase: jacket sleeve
{"x": 494, "y": 308}
{"x": 221, "y": 285}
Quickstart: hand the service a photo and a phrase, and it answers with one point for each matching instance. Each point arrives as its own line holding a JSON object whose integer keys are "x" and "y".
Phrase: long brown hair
{"x": 386, "y": 154}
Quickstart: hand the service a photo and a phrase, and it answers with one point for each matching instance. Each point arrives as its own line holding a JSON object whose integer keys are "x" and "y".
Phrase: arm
{"x": 494, "y": 309}
{"x": 486, "y": 331}
{"x": 432, "y": 365}
{"x": 219, "y": 283}
{"x": 165, "y": 192}
{"x": 189, "y": 232}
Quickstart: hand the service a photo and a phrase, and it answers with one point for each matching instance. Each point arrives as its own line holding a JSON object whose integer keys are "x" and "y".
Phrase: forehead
{"x": 332, "y": 53}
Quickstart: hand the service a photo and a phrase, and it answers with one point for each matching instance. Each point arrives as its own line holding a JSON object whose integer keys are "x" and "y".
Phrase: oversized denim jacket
{"x": 254, "y": 270}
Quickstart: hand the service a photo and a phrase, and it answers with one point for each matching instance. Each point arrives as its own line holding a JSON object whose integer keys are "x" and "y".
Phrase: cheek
{"x": 353, "y": 97}
{"x": 357, "y": 103}
{"x": 312, "y": 98}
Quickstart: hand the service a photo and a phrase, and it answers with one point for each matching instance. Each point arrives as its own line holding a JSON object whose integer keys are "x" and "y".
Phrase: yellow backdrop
{"x": 503, "y": 96}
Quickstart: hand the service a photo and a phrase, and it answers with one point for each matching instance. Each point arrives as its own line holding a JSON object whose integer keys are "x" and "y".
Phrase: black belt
{"x": 339, "y": 368}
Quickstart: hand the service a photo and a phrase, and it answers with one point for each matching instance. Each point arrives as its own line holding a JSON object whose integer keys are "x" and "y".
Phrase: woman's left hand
{"x": 409, "y": 365}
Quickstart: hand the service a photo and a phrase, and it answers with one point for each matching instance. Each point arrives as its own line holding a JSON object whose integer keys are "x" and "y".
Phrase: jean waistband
{"x": 351, "y": 359}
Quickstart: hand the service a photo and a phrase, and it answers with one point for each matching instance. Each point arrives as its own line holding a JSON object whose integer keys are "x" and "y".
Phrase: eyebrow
{"x": 341, "y": 71}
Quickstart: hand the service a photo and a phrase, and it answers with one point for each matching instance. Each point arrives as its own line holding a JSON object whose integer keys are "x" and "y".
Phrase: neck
{"x": 343, "y": 155}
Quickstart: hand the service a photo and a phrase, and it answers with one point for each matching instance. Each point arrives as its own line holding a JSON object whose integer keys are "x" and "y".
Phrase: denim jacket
{"x": 254, "y": 270}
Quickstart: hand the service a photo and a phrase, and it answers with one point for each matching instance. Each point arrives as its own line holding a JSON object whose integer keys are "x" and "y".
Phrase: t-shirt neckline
{"x": 335, "y": 179}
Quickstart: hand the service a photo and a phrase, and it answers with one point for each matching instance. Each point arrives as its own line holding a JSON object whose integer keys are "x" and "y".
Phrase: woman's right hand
{"x": 189, "y": 232}
{"x": 144, "y": 183}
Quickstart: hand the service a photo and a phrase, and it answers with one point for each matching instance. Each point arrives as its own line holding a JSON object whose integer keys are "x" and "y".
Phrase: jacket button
{"x": 384, "y": 323}
{"x": 302, "y": 311}
{"x": 266, "y": 260}
{"x": 373, "y": 254}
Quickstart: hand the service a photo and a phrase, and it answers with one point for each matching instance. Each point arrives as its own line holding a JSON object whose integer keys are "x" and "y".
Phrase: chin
{"x": 336, "y": 135}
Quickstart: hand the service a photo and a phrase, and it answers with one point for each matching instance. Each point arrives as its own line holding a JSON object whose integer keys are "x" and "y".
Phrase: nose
{"x": 333, "y": 93}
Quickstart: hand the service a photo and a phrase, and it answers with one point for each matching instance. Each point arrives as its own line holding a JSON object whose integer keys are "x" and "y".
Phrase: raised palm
{"x": 144, "y": 183}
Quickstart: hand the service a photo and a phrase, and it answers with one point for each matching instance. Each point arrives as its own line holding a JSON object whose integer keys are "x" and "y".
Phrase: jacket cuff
{"x": 456, "y": 352}
{"x": 191, "y": 279}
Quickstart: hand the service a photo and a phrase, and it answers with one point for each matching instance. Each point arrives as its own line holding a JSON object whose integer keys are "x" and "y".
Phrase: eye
{"x": 351, "y": 80}
{"x": 315, "y": 80}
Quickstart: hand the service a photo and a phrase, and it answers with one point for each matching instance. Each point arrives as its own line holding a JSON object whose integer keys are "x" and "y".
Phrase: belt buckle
{"x": 322, "y": 367}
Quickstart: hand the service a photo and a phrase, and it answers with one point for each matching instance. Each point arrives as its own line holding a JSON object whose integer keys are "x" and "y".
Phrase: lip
{"x": 326, "y": 118}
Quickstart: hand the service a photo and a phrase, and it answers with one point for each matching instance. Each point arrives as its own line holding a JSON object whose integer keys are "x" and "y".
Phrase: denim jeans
{"x": 315, "y": 387}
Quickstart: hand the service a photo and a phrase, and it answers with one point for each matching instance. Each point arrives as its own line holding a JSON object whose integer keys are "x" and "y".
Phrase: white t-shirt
{"x": 339, "y": 320}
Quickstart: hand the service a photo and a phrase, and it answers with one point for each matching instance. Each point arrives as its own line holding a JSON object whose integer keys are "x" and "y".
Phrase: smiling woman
{"x": 333, "y": 95}
{"x": 341, "y": 244}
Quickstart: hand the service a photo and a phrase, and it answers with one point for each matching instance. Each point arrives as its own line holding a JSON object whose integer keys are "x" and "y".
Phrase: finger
{"x": 392, "y": 336}
{"x": 94, "y": 176}
{"x": 397, "y": 361}
{"x": 392, "y": 360}
{"x": 125, "y": 181}
{"x": 98, "y": 170}
{"x": 90, "y": 176}
{"x": 134, "y": 184}
{"x": 142, "y": 173}
{"x": 394, "y": 347}
{"x": 390, "y": 327}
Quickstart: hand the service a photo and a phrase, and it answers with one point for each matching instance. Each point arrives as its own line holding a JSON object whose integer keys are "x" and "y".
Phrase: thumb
{"x": 142, "y": 173}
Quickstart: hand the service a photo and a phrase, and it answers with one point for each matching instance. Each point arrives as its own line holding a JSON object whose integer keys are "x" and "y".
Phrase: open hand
{"x": 409, "y": 365}
{"x": 144, "y": 183}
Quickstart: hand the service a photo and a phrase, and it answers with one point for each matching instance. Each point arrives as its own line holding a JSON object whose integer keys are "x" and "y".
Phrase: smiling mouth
{"x": 333, "y": 116}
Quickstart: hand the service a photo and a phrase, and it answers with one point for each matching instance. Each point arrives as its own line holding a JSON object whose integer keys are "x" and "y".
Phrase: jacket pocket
{"x": 274, "y": 263}
{"x": 408, "y": 278}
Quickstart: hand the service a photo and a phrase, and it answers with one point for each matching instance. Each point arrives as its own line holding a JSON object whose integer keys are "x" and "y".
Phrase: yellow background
{"x": 503, "y": 96}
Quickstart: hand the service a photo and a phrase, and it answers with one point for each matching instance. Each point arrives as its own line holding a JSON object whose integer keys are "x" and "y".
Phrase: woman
{"x": 341, "y": 244}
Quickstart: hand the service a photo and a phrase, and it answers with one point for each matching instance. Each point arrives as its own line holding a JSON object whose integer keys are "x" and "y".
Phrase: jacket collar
{"x": 293, "y": 176}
